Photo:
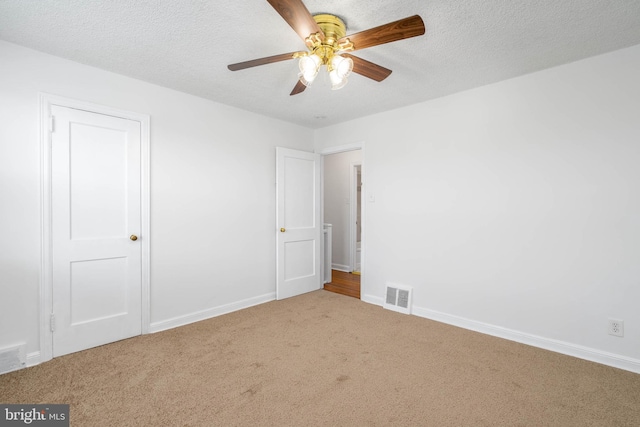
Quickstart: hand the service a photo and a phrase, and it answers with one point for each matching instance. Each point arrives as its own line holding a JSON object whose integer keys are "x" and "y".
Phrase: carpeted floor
{"x": 323, "y": 359}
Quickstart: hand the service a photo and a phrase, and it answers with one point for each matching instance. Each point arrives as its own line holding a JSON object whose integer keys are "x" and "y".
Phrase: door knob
{"x": 133, "y": 237}
{"x": 282, "y": 230}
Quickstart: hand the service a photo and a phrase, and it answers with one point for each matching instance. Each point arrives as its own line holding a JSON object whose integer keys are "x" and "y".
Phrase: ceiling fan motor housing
{"x": 333, "y": 27}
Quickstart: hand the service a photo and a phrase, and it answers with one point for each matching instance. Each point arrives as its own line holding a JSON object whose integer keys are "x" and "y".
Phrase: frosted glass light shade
{"x": 341, "y": 67}
{"x": 337, "y": 82}
{"x": 309, "y": 66}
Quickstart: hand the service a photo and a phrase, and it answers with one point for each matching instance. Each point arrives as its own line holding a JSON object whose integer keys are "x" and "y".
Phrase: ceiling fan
{"x": 325, "y": 37}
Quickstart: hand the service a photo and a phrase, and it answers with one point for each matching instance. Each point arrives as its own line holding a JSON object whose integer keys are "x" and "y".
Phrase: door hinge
{"x": 52, "y": 322}
{"x": 52, "y": 122}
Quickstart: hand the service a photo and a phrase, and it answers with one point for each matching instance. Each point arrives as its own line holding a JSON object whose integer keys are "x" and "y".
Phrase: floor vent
{"x": 12, "y": 358}
{"x": 398, "y": 298}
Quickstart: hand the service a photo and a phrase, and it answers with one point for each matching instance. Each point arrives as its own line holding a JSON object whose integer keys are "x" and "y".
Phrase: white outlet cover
{"x": 616, "y": 327}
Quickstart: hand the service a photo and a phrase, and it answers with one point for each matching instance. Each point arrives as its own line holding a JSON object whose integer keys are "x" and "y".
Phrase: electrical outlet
{"x": 616, "y": 327}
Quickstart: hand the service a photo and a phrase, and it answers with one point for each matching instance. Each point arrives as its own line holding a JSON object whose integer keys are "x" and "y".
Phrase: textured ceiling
{"x": 186, "y": 45}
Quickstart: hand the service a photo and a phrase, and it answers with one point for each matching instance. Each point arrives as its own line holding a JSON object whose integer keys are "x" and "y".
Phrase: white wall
{"x": 514, "y": 208}
{"x": 212, "y": 192}
{"x": 337, "y": 193}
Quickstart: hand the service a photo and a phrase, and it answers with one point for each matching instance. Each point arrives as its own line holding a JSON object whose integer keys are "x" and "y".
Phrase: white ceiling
{"x": 186, "y": 45}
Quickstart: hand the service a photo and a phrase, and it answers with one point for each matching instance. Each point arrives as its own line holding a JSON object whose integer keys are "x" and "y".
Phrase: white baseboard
{"x": 341, "y": 267}
{"x": 34, "y": 358}
{"x": 372, "y": 299}
{"x": 209, "y": 313}
{"x": 581, "y": 352}
{"x": 31, "y": 359}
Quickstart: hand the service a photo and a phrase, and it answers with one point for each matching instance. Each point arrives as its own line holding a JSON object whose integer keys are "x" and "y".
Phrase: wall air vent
{"x": 398, "y": 298}
{"x": 12, "y": 358}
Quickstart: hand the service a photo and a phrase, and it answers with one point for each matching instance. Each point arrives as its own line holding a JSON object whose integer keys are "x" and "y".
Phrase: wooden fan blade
{"x": 297, "y": 16}
{"x": 391, "y": 32}
{"x": 299, "y": 87}
{"x": 368, "y": 69}
{"x": 261, "y": 61}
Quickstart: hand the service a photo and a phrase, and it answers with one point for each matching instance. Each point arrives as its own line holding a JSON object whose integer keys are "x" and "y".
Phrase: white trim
{"x": 46, "y": 101}
{"x": 581, "y": 352}
{"x": 210, "y": 312}
{"x": 342, "y": 148}
{"x": 341, "y": 267}
{"x": 562, "y": 347}
{"x": 34, "y": 359}
{"x": 372, "y": 299}
{"x": 327, "y": 230}
{"x": 46, "y": 273}
{"x": 323, "y": 250}
{"x": 145, "y": 213}
{"x": 353, "y": 212}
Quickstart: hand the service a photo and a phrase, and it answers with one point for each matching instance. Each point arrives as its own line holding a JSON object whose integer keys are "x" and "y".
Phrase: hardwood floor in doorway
{"x": 344, "y": 283}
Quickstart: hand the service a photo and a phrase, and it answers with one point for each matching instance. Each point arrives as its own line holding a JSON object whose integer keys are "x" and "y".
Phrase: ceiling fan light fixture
{"x": 325, "y": 36}
{"x": 309, "y": 66}
{"x": 337, "y": 81}
{"x": 343, "y": 66}
{"x": 340, "y": 68}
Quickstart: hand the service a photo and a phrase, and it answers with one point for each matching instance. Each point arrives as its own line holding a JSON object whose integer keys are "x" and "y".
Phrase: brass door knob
{"x": 133, "y": 237}
{"x": 282, "y": 230}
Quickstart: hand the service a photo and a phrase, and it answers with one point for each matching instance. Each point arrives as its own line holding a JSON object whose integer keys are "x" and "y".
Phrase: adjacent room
{"x": 190, "y": 189}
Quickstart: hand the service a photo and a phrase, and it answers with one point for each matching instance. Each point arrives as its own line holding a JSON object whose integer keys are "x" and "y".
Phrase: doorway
{"x": 343, "y": 211}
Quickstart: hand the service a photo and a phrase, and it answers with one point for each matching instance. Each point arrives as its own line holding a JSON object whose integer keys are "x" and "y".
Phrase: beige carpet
{"x": 326, "y": 359}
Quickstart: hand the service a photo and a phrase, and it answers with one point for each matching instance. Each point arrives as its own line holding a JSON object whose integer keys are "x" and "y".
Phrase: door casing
{"x": 353, "y": 213}
{"x": 342, "y": 149}
{"x": 46, "y": 101}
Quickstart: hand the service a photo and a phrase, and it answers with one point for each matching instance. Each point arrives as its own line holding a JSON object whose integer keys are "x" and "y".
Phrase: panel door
{"x": 96, "y": 224}
{"x": 299, "y": 228}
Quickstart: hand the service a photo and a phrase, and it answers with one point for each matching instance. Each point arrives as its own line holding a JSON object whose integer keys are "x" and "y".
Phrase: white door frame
{"x": 353, "y": 213}
{"x": 46, "y": 101}
{"x": 352, "y": 231}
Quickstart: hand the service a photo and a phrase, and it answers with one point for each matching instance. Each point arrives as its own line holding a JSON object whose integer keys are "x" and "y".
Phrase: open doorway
{"x": 342, "y": 210}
